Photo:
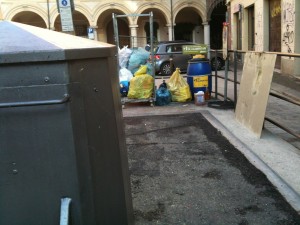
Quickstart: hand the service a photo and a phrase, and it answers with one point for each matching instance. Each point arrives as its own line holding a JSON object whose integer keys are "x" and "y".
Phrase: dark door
{"x": 275, "y": 29}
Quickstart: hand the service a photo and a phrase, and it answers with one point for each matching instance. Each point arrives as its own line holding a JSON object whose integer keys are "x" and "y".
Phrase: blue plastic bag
{"x": 138, "y": 57}
{"x": 163, "y": 96}
{"x": 124, "y": 88}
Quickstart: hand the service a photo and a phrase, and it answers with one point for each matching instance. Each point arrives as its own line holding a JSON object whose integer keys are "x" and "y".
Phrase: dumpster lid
{"x": 25, "y": 43}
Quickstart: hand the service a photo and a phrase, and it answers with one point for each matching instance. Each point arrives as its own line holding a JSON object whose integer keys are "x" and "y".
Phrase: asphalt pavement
{"x": 276, "y": 154}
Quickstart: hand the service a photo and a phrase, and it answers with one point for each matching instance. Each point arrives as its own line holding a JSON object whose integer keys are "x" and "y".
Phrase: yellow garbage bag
{"x": 200, "y": 56}
{"x": 141, "y": 71}
{"x": 141, "y": 86}
{"x": 179, "y": 88}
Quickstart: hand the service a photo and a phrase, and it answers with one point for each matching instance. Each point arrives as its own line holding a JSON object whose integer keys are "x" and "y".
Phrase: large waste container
{"x": 199, "y": 75}
{"x": 61, "y": 130}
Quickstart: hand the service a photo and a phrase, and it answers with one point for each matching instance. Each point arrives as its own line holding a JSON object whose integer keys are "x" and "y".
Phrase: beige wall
{"x": 290, "y": 30}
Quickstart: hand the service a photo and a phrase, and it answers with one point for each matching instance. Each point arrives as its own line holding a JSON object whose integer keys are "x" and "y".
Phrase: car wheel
{"x": 165, "y": 69}
{"x": 219, "y": 63}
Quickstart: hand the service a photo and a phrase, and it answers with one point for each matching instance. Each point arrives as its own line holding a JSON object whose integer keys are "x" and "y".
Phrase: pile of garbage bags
{"x": 135, "y": 73}
{"x": 176, "y": 89}
{"x": 137, "y": 82}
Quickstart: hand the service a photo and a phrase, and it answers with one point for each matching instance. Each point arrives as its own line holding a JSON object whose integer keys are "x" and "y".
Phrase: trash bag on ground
{"x": 124, "y": 55}
{"x": 124, "y": 88}
{"x": 141, "y": 87}
{"x": 125, "y": 75}
{"x": 150, "y": 69}
{"x": 163, "y": 96}
{"x": 142, "y": 70}
{"x": 138, "y": 57}
{"x": 179, "y": 87}
{"x": 163, "y": 84}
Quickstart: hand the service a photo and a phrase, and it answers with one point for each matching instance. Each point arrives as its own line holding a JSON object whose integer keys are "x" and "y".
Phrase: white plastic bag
{"x": 125, "y": 75}
{"x": 124, "y": 55}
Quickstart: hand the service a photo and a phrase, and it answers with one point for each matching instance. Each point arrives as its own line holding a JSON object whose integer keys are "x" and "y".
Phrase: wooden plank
{"x": 254, "y": 90}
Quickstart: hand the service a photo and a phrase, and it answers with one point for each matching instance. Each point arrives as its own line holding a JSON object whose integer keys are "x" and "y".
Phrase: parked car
{"x": 165, "y": 51}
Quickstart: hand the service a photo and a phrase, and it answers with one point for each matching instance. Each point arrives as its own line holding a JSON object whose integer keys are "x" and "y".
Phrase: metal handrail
{"x": 65, "y": 99}
{"x": 272, "y": 93}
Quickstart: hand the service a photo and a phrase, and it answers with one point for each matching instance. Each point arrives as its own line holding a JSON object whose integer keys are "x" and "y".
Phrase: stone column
{"x": 207, "y": 36}
{"x": 170, "y": 31}
{"x": 101, "y": 35}
{"x": 133, "y": 34}
{"x": 94, "y": 35}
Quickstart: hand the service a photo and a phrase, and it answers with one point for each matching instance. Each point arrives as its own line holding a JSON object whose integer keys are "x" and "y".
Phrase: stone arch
{"x": 111, "y": 7}
{"x": 104, "y": 23}
{"x": 85, "y": 12}
{"x": 197, "y": 6}
{"x": 80, "y": 23}
{"x": 163, "y": 9}
{"x": 212, "y": 7}
{"x": 161, "y": 20}
{"x": 27, "y": 8}
{"x": 216, "y": 17}
{"x": 189, "y": 28}
{"x": 79, "y": 8}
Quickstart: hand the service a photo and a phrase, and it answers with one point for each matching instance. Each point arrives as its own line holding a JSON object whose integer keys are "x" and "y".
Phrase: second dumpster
{"x": 62, "y": 144}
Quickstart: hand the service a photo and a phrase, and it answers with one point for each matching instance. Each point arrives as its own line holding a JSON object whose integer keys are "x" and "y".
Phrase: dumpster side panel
{"x": 31, "y": 74}
{"x": 106, "y": 139}
{"x": 37, "y": 158}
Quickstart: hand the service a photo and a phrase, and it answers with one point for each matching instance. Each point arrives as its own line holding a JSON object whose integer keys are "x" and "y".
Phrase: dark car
{"x": 165, "y": 52}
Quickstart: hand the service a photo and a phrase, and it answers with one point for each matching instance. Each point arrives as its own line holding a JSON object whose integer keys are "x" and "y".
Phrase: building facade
{"x": 267, "y": 25}
{"x": 172, "y": 19}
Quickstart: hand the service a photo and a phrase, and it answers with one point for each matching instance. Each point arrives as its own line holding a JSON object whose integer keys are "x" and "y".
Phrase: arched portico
{"x": 191, "y": 27}
{"x": 104, "y": 25}
{"x": 96, "y": 15}
{"x": 28, "y": 14}
{"x": 217, "y": 16}
{"x": 80, "y": 23}
{"x": 161, "y": 19}
{"x": 160, "y": 30}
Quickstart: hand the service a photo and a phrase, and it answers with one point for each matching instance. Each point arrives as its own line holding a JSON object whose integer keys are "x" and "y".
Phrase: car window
{"x": 155, "y": 49}
{"x": 177, "y": 48}
{"x": 173, "y": 48}
{"x": 169, "y": 48}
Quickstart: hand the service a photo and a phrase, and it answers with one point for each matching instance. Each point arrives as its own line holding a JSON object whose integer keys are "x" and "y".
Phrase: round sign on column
{"x": 64, "y": 3}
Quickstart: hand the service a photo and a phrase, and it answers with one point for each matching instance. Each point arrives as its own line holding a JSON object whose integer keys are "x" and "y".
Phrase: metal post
{"x": 172, "y": 26}
{"x": 225, "y": 80}
{"x": 226, "y": 69}
{"x": 235, "y": 78}
{"x": 151, "y": 42}
{"x": 216, "y": 77}
{"x": 48, "y": 13}
{"x": 116, "y": 30}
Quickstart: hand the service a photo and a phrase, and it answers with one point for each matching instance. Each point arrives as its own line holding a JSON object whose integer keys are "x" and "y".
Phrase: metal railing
{"x": 236, "y": 82}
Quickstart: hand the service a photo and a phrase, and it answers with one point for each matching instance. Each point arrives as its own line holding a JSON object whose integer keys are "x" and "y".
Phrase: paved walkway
{"x": 283, "y": 112}
{"x": 273, "y": 153}
{"x": 184, "y": 171}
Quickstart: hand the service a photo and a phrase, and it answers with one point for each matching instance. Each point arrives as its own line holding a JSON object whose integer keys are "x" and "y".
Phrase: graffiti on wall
{"x": 288, "y": 22}
{"x": 259, "y": 33}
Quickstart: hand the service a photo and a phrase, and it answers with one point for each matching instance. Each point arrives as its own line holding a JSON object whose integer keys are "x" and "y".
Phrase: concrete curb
{"x": 292, "y": 197}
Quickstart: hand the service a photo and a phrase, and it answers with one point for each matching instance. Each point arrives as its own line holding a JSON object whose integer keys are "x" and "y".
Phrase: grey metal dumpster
{"x": 61, "y": 130}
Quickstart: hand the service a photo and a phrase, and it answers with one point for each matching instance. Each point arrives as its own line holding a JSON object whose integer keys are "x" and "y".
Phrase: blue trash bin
{"x": 199, "y": 75}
